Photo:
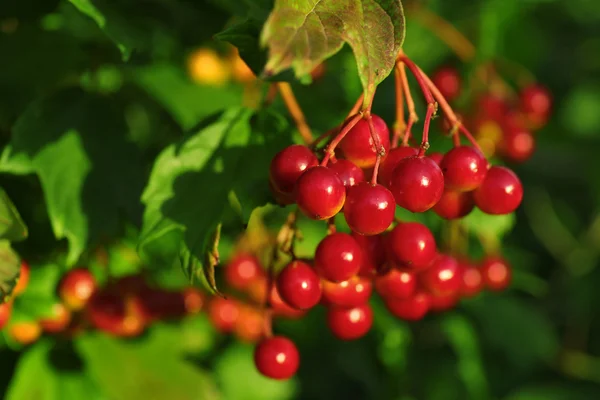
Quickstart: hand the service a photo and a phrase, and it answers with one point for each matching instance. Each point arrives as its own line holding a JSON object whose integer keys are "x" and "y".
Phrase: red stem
{"x": 425, "y": 141}
{"x": 333, "y": 144}
{"x": 407, "y": 135}
{"x": 400, "y": 125}
{"x": 378, "y": 148}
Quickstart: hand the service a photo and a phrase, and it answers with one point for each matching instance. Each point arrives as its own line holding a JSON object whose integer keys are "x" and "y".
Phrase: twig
{"x": 295, "y": 111}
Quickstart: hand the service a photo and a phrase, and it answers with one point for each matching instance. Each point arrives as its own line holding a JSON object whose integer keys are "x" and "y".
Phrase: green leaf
{"x": 39, "y": 298}
{"x": 144, "y": 369}
{"x": 90, "y": 173}
{"x": 44, "y": 372}
{"x": 239, "y": 379}
{"x": 10, "y": 267}
{"x": 244, "y": 36}
{"x": 188, "y": 188}
{"x": 12, "y": 226}
{"x": 303, "y": 33}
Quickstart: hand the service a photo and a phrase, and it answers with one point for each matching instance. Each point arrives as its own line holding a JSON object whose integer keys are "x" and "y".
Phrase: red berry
{"x": 349, "y": 173}
{"x": 76, "y": 288}
{"x": 454, "y": 204}
{"x": 23, "y": 279}
{"x": 373, "y": 252}
{"x": 320, "y": 193}
{"x": 417, "y": 183}
{"x": 281, "y": 198}
{"x": 391, "y": 161}
{"x": 121, "y": 316}
{"x": 350, "y": 323}
{"x": 299, "y": 285}
{"x": 536, "y": 102}
{"x": 351, "y": 293}
{"x": 412, "y": 309}
{"x": 58, "y": 321}
{"x": 496, "y": 273}
{"x": 193, "y": 300}
{"x": 436, "y": 156}
{"x": 242, "y": 270}
{"x": 338, "y": 257}
{"x": 492, "y": 108}
{"x": 517, "y": 145}
{"x": 472, "y": 279}
{"x": 412, "y": 244}
{"x": 448, "y": 81}
{"x": 358, "y": 145}
{"x": 287, "y": 166}
{"x": 369, "y": 210}
{"x": 396, "y": 284}
{"x": 464, "y": 168}
{"x": 444, "y": 302}
{"x": 5, "y": 313}
{"x": 277, "y": 357}
{"x": 223, "y": 313}
{"x": 442, "y": 277}
{"x": 500, "y": 193}
{"x": 249, "y": 324}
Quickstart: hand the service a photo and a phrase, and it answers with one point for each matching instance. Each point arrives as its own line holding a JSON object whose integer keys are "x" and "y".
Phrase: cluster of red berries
{"x": 124, "y": 307}
{"x": 502, "y": 125}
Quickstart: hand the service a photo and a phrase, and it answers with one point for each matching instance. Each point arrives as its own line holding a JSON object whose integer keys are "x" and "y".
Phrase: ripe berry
{"x": 287, "y": 166}
{"x": 536, "y": 103}
{"x": 23, "y": 279}
{"x": 112, "y": 313}
{"x": 58, "y": 321}
{"x": 464, "y": 168}
{"x": 350, "y": 323}
{"x": 396, "y": 284}
{"x": 25, "y": 332}
{"x": 391, "y": 161}
{"x": 242, "y": 270}
{"x": 369, "y": 210}
{"x": 500, "y": 193}
{"x": 448, "y": 81}
{"x": 277, "y": 357}
{"x": 358, "y": 145}
{"x": 223, "y": 313}
{"x": 5, "y": 313}
{"x": 320, "y": 193}
{"x": 436, "y": 156}
{"x": 496, "y": 273}
{"x": 454, "y": 204}
{"x": 442, "y": 277}
{"x": 349, "y": 173}
{"x": 193, "y": 300}
{"x": 412, "y": 244}
{"x": 491, "y": 107}
{"x": 299, "y": 285}
{"x": 412, "y": 309}
{"x": 439, "y": 303}
{"x": 472, "y": 279}
{"x": 373, "y": 252}
{"x": 249, "y": 324}
{"x": 338, "y": 257}
{"x": 351, "y": 293}
{"x": 417, "y": 183}
{"x": 517, "y": 145}
{"x": 76, "y": 288}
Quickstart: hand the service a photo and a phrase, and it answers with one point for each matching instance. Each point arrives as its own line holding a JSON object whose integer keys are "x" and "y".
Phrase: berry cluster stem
{"x": 334, "y": 143}
{"x": 410, "y": 103}
{"x": 295, "y": 111}
{"x": 400, "y": 123}
{"x": 378, "y": 147}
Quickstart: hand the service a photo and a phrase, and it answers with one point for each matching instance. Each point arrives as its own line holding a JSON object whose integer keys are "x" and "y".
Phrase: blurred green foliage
{"x": 93, "y": 92}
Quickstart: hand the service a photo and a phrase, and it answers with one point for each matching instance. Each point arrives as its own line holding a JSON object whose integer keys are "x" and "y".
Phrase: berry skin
{"x": 496, "y": 273}
{"x": 536, "y": 103}
{"x": 448, "y": 81}
{"x": 193, "y": 300}
{"x": 373, "y": 252}
{"x": 396, "y": 284}
{"x": 391, "y": 161}
{"x": 351, "y": 293}
{"x": 5, "y": 313}
{"x": 412, "y": 244}
{"x": 287, "y": 166}
{"x": 369, "y": 210}
{"x": 76, "y": 288}
{"x": 223, "y": 313}
{"x": 443, "y": 302}
{"x": 23, "y": 279}
{"x": 299, "y": 285}
{"x": 242, "y": 270}
{"x": 472, "y": 280}
{"x": 412, "y": 309}
{"x": 277, "y": 357}
{"x": 500, "y": 193}
{"x": 58, "y": 322}
{"x": 417, "y": 183}
{"x": 25, "y": 332}
{"x": 350, "y": 323}
{"x": 492, "y": 108}
{"x": 338, "y": 257}
{"x": 436, "y": 156}
{"x": 113, "y": 313}
{"x": 249, "y": 324}
{"x": 517, "y": 145}
{"x": 358, "y": 146}
{"x": 349, "y": 173}
{"x": 443, "y": 277}
{"x": 454, "y": 204}
{"x": 464, "y": 168}
{"x": 320, "y": 193}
